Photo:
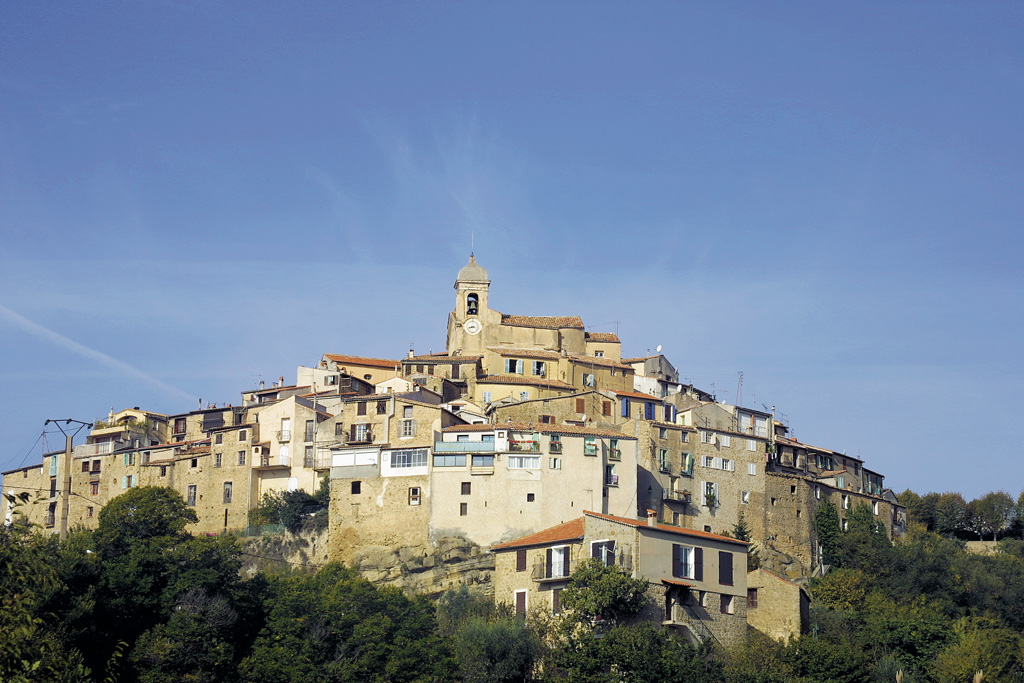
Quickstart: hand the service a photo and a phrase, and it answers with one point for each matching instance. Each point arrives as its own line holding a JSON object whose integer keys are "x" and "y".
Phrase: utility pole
{"x": 65, "y": 503}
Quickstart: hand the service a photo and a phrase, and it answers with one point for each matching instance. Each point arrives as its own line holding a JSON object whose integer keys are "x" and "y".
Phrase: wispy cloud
{"x": 71, "y": 345}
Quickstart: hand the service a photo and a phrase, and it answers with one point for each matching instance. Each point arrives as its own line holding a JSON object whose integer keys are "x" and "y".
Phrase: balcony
{"x": 611, "y": 480}
{"x": 88, "y": 450}
{"x": 555, "y": 447}
{"x": 677, "y": 496}
{"x": 357, "y": 438}
{"x": 540, "y": 573}
{"x": 463, "y": 446}
{"x": 284, "y": 435}
{"x": 523, "y": 446}
{"x": 664, "y": 468}
{"x": 614, "y": 454}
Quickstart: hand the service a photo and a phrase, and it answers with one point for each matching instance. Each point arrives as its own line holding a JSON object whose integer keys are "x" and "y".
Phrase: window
{"x": 555, "y": 463}
{"x": 361, "y": 432}
{"x": 89, "y": 511}
{"x": 709, "y": 461}
{"x": 524, "y": 462}
{"x": 408, "y": 429}
{"x": 95, "y": 466}
{"x": 817, "y": 492}
{"x": 726, "y": 440}
{"x": 874, "y": 507}
{"x": 581, "y": 405}
{"x": 687, "y": 562}
{"x": 195, "y": 462}
{"x": 590, "y": 445}
{"x": 487, "y": 397}
{"x": 752, "y": 468}
{"x": 649, "y": 410}
{"x": 483, "y": 461}
{"x": 472, "y": 304}
{"x": 241, "y": 457}
{"x": 361, "y": 408}
{"x": 330, "y": 380}
{"x": 467, "y": 488}
{"x": 520, "y": 603}
{"x": 356, "y": 488}
{"x": 751, "y": 445}
{"x": 556, "y": 600}
{"x": 687, "y": 464}
{"x": 129, "y": 459}
{"x": 663, "y": 459}
{"x": 307, "y": 457}
{"x": 745, "y": 497}
{"x": 606, "y": 408}
{"x": 179, "y": 425}
{"x": 449, "y": 461}
{"x": 524, "y": 395}
{"x": 710, "y": 494}
{"x": 413, "y": 457}
{"x": 588, "y": 380}
{"x": 845, "y": 525}
{"x": 530, "y": 497}
{"x": 547, "y": 419}
{"x": 513, "y": 366}
{"x": 751, "y": 598}
{"x": 662, "y": 433}
{"x": 227, "y": 492}
{"x": 94, "y": 488}
{"x": 407, "y": 411}
{"x": 727, "y": 604}
{"x": 725, "y": 568}
{"x": 841, "y": 482}
{"x": 603, "y": 551}
{"x": 85, "y": 465}
{"x": 414, "y": 495}
{"x": 463, "y": 509}
{"x": 707, "y": 437}
{"x": 598, "y": 354}
{"x": 217, "y": 460}
{"x": 846, "y": 502}
{"x": 219, "y": 438}
{"x": 557, "y": 561}
{"x": 192, "y": 495}
{"x": 382, "y": 407}
{"x": 163, "y": 470}
{"x": 130, "y": 481}
{"x": 521, "y": 560}
{"x": 625, "y": 407}
{"x": 310, "y": 429}
{"x": 728, "y": 465}
{"x": 539, "y": 368}
{"x": 339, "y": 429}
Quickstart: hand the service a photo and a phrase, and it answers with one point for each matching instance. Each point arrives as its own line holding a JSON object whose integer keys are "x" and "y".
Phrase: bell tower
{"x": 471, "y": 311}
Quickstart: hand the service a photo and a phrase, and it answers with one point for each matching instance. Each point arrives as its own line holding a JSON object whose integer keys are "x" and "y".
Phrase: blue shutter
{"x": 625, "y": 407}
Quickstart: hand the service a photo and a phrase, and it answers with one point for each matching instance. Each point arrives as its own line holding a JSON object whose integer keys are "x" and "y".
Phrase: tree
{"x": 503, "y": 650}
{"x": 951, "y": 513}
{"x": 826, "y": 524}
{"x": 741, "y": 532}
{"x": 991, "y": 513}
{"x": 597, "y": 591}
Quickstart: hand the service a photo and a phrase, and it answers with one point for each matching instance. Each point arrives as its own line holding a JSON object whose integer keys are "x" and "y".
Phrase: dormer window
{"x": 472, "y": 304}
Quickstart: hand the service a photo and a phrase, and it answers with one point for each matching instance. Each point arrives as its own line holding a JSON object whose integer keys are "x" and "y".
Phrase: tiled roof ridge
{"x": 639, "y": 523}
{"x": 362, "y": 360}
{"x": 566, "y": 531}
{"x": 553, "y": 322}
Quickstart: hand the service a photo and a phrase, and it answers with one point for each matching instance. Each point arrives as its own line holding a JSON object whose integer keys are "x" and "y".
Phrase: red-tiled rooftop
{"x": 526, "y": 353}
{"x": 360, "y": 360}
{"x": 608, "y": 337}
{"x": 441, "y": 358}
{"x": 549, "y": 322}
{"x": 597, "y": 360}
{"x": 569, "y": 531}
{"x": 642, "y": 524}
{"x": 636, "y": 394}
{"x": 524, "y": 380}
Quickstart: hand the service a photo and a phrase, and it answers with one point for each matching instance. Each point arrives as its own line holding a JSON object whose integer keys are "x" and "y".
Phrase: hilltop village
{"x": 526, "y": 447}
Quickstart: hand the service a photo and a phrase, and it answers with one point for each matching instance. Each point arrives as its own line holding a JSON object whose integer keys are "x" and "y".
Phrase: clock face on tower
{"x": 472, "y": 326}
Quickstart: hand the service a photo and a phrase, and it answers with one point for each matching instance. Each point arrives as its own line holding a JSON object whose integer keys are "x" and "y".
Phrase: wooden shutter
{"x": 595, "y": 550}
{"x": 677, "y": 561}
{"x": 565, "y": 561}
{"x": 521, "y": 602}
{"x": 547, "y": 565}
{"x": 698, "y": 564}
{"x": 521, "y": 560}
{"x": 556, "y": 601}
{"x": 581, "y": 405}
{"x": 606, "y": 408}
{"x": 725, "y": 568}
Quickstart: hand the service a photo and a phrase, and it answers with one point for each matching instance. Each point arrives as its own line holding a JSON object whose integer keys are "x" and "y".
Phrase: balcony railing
{"x": 677, "y": 496}
{"x": 555, "y": 447}
{"x": 284, "y": 435}
{"x": 665, "y": 467}
{"x": 540, "y": 572}
{"x": 87, "y": 450}
{"x": 366, "y": 437}
{"x": 463, "y": 446}
{"x": 523, "y": 446}
{"x": 614, "y": 454}
{"x": 611, "y": 480}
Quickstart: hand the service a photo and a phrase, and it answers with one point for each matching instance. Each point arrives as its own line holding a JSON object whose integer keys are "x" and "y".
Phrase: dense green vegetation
{"x": 141, "y": 599}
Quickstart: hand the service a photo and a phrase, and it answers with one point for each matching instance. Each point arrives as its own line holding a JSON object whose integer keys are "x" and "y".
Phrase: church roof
{"x": 550, "y": 322}
{"x": 472, "y": 272}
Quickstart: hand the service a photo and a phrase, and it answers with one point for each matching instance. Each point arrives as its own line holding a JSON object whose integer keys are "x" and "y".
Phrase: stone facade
{"x": 776, "y": 606}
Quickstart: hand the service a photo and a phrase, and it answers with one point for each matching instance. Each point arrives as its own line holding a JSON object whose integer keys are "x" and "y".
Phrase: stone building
{"x": 697, "y": 580}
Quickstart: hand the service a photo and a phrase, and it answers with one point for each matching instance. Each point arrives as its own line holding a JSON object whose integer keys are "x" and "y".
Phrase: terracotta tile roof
{"x": 605, "y": 362}
{"x": 672, "y": 582}
{"x": 526, "y": 353}
{"x": 526, "y": 381}
{"x": 562, "y": 429}
{"x": 642, "y": 524}
{"x": 271, "y": 390}
{"x": 360, "y": 360}
{"x": 635, "y": 394}
{"x": 639, "y": 359}
{"x": 569, "y": 531}
{"x": 544, "y": 322}
{"x": 471, "y": 428}
{"x": 601, "y": 337}
{"x": 793, "y": 442}
{"x": 441, "y": 358}
{"x": 368, "y": 397}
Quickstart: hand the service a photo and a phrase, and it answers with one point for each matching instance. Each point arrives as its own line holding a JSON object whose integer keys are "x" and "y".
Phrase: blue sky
{"x": 824, "y": 196}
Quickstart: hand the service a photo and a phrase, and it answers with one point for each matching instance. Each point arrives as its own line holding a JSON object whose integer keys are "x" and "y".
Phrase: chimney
{"x": 652, "y": 518}
{"x": 280, "y": 381}
{"x": 263, "y": 385}
{"x": 411, "y": 353}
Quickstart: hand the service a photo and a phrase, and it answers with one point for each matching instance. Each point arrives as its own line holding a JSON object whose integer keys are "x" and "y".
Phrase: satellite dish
{"x": 658, "y": 349}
